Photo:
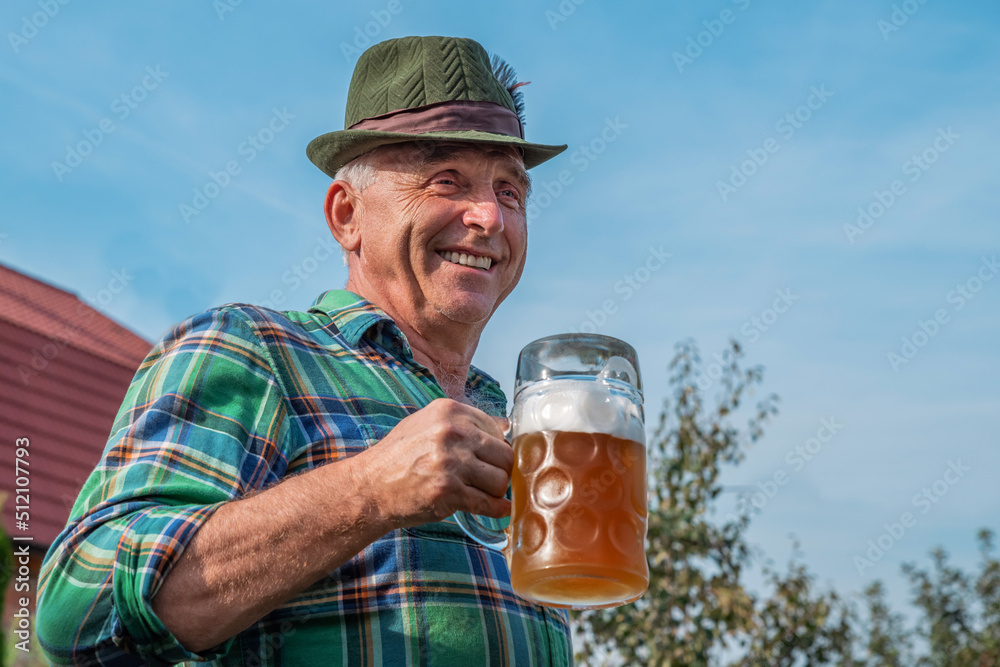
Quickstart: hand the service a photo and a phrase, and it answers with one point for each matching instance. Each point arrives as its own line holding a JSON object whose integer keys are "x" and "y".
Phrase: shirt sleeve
{"x": 204, "y": 422}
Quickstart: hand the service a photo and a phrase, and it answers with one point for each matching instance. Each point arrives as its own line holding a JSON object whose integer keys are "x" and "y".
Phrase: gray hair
{"x": 360, "y": 173}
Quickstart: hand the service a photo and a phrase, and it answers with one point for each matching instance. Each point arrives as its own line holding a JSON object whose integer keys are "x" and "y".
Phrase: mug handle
{"x": 490, "y": 538}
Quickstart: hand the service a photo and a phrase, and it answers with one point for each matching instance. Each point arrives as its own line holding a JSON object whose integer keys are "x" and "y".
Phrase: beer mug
{"x": 577, "y": 530}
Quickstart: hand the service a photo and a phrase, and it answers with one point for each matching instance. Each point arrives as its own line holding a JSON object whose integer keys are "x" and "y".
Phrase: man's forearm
{"x": 254, "y": 554}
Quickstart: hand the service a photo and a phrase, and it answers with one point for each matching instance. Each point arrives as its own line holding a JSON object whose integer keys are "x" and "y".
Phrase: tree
{"x": 960, "y": 614}
{"x": 888, "y": 643}
{"x": 798, "y": 623}
{"x": 696, "y": 610}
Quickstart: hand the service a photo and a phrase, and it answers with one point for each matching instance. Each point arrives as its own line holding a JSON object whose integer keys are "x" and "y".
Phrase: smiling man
{"x": 278, "y": 487}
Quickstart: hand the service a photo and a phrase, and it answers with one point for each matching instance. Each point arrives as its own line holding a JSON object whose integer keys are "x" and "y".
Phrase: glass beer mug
{"x": 577, "y": 531}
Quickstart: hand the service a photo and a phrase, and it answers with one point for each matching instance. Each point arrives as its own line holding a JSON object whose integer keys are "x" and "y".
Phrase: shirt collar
{"x": 354, "y": 316}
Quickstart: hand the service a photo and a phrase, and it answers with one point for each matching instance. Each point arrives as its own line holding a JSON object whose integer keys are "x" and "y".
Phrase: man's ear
{"x": 341, "y": 215}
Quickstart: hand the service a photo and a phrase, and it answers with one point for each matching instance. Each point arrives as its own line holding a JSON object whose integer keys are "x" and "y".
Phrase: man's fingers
{"x": 497, "y": 453}
{"x": 488, "y": 478}
{"x": 484, "y": 504}
{"x": 496, "y": 426}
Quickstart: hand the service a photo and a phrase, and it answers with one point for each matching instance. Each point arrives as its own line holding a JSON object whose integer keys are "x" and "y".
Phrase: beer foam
{"x": 582, "y": 406}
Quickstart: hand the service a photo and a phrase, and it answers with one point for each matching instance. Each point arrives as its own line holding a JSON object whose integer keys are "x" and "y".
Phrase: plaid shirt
{"x": 234, "y": 400}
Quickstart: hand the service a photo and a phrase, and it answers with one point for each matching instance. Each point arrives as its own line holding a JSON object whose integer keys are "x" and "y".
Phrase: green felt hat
{"x": 428, "y": 88}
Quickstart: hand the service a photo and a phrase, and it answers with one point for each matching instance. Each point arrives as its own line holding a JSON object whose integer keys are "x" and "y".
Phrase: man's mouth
{"x": 465, "y": 259}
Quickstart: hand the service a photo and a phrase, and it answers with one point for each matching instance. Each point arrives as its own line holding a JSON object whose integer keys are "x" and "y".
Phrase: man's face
{"x": 423, "y": 211}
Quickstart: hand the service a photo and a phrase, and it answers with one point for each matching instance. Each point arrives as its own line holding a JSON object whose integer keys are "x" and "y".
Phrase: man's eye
{"x": 509, "y": 193}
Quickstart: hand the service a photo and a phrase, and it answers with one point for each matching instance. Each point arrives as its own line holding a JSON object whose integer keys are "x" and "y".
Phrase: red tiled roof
{"x": 48, "y": 310}
{"x": 64, "y": 369}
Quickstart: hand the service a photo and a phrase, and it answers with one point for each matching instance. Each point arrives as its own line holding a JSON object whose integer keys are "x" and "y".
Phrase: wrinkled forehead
{"x": 418, "y": 156}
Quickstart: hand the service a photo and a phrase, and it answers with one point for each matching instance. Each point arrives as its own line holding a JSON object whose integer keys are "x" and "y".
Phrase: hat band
{"x": 447, "y": 116}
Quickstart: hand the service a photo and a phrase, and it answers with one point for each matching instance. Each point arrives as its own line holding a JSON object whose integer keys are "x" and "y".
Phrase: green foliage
{"x": 799, "y": 623}
{"x": 888, "y": 643}
{"x": 960, "y": 613}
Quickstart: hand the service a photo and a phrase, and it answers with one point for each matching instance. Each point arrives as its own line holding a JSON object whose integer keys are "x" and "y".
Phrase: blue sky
{"x": 681, "y": 143}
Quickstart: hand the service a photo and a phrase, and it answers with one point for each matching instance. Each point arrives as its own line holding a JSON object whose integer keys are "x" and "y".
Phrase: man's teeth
{"x": 467, "y": 260}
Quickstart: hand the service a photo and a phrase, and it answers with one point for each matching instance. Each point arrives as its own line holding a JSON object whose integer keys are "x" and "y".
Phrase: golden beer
{"x": 577, "y": 530}
{"x": 578, "y": 523}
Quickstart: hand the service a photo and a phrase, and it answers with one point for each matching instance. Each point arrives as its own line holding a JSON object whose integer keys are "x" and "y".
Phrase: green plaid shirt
{"x": 234, "y": 400}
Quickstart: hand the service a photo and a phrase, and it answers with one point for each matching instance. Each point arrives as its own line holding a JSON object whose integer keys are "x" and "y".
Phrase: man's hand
{"x": 446, "y": 457}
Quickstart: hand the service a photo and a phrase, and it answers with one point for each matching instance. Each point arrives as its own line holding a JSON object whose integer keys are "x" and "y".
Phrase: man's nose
{"x": 484, "y": 211}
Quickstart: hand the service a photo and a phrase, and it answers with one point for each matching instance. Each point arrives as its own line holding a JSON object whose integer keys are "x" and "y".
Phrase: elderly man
{"x": 278, "y": 487}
